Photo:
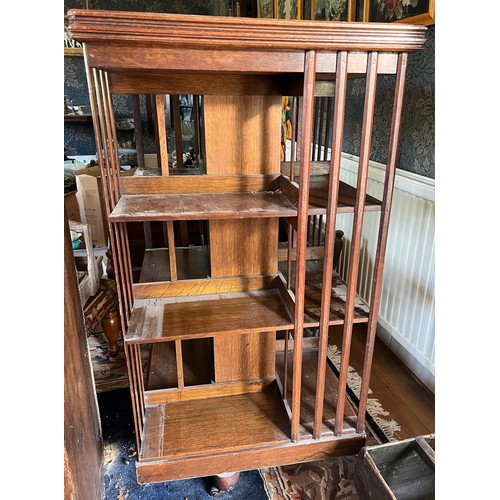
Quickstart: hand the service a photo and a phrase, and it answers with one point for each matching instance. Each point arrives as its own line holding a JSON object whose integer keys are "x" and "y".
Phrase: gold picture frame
{"x": 393, "y": 11}
{"x": 349, "y": 10}
{"x": 265, "y": 8}
{"x": 288, "y": 9}
{"x": 71, "y": 48}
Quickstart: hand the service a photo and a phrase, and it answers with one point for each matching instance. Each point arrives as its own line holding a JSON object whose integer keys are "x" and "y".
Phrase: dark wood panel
{"x": 199, "y": 184}
{"x": 191, "y": 264}
{"x": 83, "y": 449}
{"x": 155, "y": 321}
{"x": 197, "y": 364}
{"x": 193, "y": 83}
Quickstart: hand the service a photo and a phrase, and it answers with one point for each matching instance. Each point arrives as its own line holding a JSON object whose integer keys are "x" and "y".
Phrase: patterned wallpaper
{"x": 416, "y": 147}
{"x": 416, "y": 151}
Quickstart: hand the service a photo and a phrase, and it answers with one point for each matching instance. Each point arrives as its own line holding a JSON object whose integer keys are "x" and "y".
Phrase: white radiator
{"x": 406, "y": 316}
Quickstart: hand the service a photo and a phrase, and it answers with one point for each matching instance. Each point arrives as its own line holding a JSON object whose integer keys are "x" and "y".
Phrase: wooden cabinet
{"x": 232, "y": 382}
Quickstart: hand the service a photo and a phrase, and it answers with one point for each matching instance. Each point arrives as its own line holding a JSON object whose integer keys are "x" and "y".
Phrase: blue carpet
{"x": 120, "y": 481}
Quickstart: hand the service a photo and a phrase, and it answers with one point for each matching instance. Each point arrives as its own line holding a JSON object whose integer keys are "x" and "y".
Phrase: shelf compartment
{"x": 165, "y": 207}
{"x": 318, "y": 197}
{"x": 205, "y": 197}
{"x": 160, "y": 320}
{"x": 191, "y": 264}
{"x": 213, "y": 425}
{"x": 308, "y": 392}
{"x": 162, "y": 368}
{"x": 312, "y": 299}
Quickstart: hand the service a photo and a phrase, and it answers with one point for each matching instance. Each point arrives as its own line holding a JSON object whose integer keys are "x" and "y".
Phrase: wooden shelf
{"x": 314, "y": 285}
{"x": 157, "y": 320}
{"x": 191, "y": 263}
{"x": 77, "y": 118}
{"x": 212, "y": 425}
{"x": 164, "y": 207}
{"x": 318, "y": 196}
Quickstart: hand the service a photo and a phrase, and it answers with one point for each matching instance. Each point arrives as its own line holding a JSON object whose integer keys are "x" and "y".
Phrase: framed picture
{"x": 71, "y": 48}
{"x": 333, "y": 10}
{"x": 265, "y": 8}
{"x": 399, "y": 11}
{"x": 288, "y": 9}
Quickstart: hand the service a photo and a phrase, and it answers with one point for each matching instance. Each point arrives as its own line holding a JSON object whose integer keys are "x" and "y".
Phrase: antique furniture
{"x": 401, "y": 469}
{"x": 98, "y": 295}
{"x": 232, "y": 381}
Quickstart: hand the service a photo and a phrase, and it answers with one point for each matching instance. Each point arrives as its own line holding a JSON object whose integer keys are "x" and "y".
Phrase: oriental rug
{"x": 110, "y": 373}
{"x": 331, "y": 479}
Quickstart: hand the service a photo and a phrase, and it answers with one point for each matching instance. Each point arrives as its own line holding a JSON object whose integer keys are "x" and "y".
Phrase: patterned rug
{"x": 331, "y": 479}
{"x": 109, "y": 372}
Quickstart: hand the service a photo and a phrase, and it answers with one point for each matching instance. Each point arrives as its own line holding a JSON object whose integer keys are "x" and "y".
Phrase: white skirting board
{"x": 406, "y": 322}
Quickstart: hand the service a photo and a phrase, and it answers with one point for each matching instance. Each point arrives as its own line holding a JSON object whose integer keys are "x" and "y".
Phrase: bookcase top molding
{"x": 144, "y": 28}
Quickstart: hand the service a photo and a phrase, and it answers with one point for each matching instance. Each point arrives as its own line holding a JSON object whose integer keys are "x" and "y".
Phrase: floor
{"x": 407, "y": 401}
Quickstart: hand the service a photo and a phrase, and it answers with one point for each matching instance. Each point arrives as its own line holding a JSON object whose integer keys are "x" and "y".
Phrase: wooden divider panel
{"x": 241, "y": 247}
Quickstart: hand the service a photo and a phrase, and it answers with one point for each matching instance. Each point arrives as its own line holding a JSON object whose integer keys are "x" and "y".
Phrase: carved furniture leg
{"x": 111, "y": 327}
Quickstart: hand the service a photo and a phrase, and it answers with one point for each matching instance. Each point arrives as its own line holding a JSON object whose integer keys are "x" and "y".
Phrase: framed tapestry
{"x": 400, "y": 11}
{"x": 333, "y": 10}
{"x": 265, "y": 8}
{"x": 288, "y": 9}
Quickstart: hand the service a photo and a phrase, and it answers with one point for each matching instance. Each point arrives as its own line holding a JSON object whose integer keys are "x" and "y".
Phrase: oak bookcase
{"x": 232, "y": 382}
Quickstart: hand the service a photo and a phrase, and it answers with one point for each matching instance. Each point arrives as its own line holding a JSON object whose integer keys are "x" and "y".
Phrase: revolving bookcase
{"x": 234, "y": 380}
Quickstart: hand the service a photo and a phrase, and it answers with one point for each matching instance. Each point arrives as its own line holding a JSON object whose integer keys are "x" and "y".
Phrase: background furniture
{"x": 233, "y": 383}
{"x": 98, "y": 295}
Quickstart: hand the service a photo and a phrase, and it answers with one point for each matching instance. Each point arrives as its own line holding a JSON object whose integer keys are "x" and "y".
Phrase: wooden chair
{"x": 97, "y": 295}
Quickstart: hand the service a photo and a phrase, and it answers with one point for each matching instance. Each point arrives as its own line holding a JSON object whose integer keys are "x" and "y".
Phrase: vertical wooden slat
{"x": 138, "y": 130}
{"x": 140, "y": 379}
{"x": 295, "y": 103}
{"x": 124, "y": 272}
{"x": 134, "y": 392}
{"x": 314, "y": 221}
{"x": 110, "y": 181}
{"x": 315, "y": 128}
{"x": 99, "y": 110}
{"x": 333, "y": 189}
{"x": 176, "y": 111}
{"x": 285, "y": 364}
{"x": 382, "y": 234}
{"x": 197, "y": 128}
{"x": 303, "y": 205}
{"x": 148, "y": 238}
{"x": 289, "y": 257}
{"x": 178, "y": 360}
{"x": 321, "y": 142}
{"x": 161, "y": 132}
{"x": 328, "y": 120}
{"x": 171, "y": 251}
{"x": 150, "y": 114}
{"x": 364, "y": 158}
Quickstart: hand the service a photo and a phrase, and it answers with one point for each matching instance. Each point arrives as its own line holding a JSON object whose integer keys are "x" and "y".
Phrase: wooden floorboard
{"x": 408, "y": 401}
